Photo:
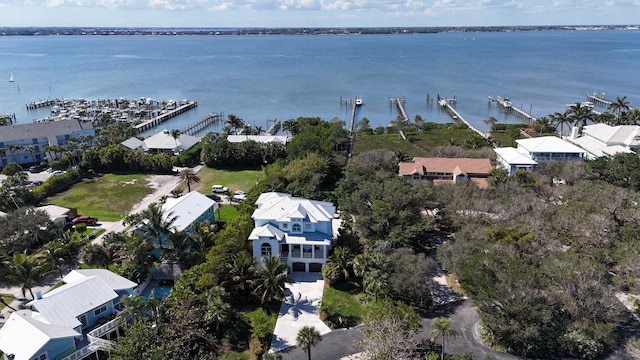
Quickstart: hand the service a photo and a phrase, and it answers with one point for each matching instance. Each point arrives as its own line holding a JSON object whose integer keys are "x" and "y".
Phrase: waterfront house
{"x": 298, "y": 230}
{"x": 78, "y": 305}
{"x": 25, "y": 143}
{"x": 163, "y": 142}
{"x": 134, "y": 143}
{"x": 605, "y": 140}
{"x": 121, "y": 285}
{"x": 447, "y": 170}
{"x": 533, "y": 151}
{"x": 28, "y": 336}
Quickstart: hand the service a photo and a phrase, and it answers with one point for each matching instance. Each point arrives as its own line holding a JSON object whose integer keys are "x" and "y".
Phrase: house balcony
{"x": 318, "y": 255}
{"x": 296, "y": 254}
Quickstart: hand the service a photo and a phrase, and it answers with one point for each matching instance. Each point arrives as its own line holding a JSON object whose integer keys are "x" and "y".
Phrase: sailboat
{"x": 11, "y": 78}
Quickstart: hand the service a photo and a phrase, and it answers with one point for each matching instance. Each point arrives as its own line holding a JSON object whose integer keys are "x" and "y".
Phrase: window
{"x": 99, "y": 310}
{"x": 307, "y": 226}
{"x": 296, "y": 228}
{"x": 83, "y": 320}
{"x": 265, "y": 249}
{"x": 41, "y": 357}
{"x": 285, "y": 225}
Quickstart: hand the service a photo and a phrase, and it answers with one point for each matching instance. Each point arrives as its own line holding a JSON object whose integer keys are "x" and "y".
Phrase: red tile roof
{"x": 449, "y": 165}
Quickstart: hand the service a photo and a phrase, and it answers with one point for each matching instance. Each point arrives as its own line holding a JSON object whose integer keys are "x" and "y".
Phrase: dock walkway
{"x": 166, "y": 116}
{"x": 455, "y": 115}
{"x": 202, "y": 123}
{"x": 507, "y": 106}
{"x": 598, "y": 100}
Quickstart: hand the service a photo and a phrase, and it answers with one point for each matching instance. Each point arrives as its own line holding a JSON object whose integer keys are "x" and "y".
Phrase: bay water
{"x": 286, "y": 76}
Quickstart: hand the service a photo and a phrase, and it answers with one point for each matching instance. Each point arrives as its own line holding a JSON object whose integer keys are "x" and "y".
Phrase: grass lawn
{"x": 227, "y": 212}
{"x": 417, "y": 144}
{"x": 109, "y": 197}
{"x": 6, "y": 298}
{"x": 341, "y": 301}
{"x": 233, "y": 179}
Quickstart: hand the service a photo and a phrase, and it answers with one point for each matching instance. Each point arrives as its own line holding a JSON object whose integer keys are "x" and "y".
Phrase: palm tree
{"x": 218, "y": 311}
{"x": 342, "y": 259}
{"x": 440, "y": 328}
{"x": 241, "y": 275}
{"x": 189, "y": 176}
{"x": 272, "y": 278}
{"x": 157, "y": 222}
{"x": 491, "y": 121}
{"x": 52, "y": 254}
{"x": 134, "y": 306}
{"x": 619, "y": 106}
{"x": 175, "y": 134}
{"x": 580, "y": 114}
{"x": 26, "y": 271}
{"x": 561, "y": 119}
{"x": 31, "y": 149}
{"x": 97, "y": 255}
{"x": 633, "y": 116}
{"x": 308, "y": 337}
{"x": 291, "y": 126}
{"x": 234, "y": 122}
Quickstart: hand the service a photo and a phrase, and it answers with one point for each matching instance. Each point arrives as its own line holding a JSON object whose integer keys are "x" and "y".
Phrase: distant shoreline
{"x": 119, "y": 31}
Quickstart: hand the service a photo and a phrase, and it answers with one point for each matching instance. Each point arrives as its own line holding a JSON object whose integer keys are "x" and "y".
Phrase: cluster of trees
{"x": 543, "y": 262}
{"x": 29, "y": 269}
{"x": 116, "y": 158}
{"x": 220, "y": 153}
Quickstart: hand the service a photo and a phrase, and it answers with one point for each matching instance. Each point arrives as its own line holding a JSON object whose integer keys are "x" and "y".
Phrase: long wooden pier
{"x": 42, "y": 103}
{"x": 399, "y": 103}
{"x": 166, "y": 116}
{"x": 455, "y": 115}
{"x": 507, "y": 106}
{"x": 202, "y": 123}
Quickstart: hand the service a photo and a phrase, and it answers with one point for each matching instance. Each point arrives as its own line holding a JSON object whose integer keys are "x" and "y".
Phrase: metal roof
{"x": 63, "y": 305}
{"x": 115, "y": 281}
{"x": 188, "y": 208}
{"x": 25, "y": 334}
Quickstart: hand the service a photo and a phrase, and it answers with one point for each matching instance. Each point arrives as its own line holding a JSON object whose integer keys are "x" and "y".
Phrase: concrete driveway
{"x": 301, "y": 307}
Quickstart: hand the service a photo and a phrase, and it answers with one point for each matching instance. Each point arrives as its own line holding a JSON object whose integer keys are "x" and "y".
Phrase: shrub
{"x": 11, "y": 169}
{"x": 81, "y": 227}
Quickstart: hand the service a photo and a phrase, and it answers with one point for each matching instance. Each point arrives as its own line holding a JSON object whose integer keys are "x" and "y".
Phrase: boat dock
{"x": 43, "y": 103}
{"x": 274, "y": 128}
{"x": 455, "y": 115}
{"x": 184, "y": 106}
{"x": 7, "y": 119}
{"x": 202, "y": 123}
{"x": 399, "y": 102}
{"x": 598, "y": 99}
{"x": 506, "y": 105}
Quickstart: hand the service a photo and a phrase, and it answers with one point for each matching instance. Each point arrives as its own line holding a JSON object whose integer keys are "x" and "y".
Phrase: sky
{"x": 315, "y": 13}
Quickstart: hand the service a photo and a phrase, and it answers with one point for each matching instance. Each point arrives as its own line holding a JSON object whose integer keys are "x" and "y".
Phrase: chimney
{"x": 575, "y": 131}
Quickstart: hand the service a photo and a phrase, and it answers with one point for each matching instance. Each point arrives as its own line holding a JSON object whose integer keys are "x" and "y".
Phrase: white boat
{"x": 358, "y": 101}
{"x": 11, "y": 78}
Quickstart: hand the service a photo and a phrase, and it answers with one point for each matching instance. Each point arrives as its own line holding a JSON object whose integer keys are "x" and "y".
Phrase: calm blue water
{"x": 266, "y": 77}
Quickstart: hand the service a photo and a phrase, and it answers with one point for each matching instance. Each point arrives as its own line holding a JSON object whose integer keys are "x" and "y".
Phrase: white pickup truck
{"x": 219, "y": 189}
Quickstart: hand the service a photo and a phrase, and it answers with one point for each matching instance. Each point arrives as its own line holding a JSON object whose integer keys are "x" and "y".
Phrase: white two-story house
{"x": 298, "y": 230}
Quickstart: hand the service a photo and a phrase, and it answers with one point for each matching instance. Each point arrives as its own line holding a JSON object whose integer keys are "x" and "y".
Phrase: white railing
{"x": 108, "y": 327}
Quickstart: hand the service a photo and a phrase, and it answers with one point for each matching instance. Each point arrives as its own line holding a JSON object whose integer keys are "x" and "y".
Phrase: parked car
{"x": 219, "y": 189}
{"x": 85, "y": 220}
{"x": 35, "y": 169}
{"x": 239, "y": 192}
{"x": 238, "y": 197}
{"x": 57, "y": 172}
{"x": 214, "y": 197}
